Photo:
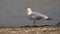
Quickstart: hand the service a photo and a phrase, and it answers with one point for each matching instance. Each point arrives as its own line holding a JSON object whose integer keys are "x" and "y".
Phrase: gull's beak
{"x": 25, "y": 8}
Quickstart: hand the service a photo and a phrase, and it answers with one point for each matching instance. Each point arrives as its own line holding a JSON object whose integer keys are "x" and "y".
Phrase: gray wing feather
{"x": 36, "y": 14}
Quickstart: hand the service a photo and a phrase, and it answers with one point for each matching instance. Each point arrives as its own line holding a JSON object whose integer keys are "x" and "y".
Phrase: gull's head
{"x": 28, "y": 9}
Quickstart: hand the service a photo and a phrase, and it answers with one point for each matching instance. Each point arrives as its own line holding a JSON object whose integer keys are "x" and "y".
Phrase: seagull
{"x": 32, "y": 15}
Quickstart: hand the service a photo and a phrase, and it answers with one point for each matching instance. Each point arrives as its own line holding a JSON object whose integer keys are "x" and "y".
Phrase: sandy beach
{"x": 30, "y": 30}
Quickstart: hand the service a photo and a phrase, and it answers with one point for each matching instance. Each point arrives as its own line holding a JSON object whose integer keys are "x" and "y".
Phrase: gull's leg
{"x": 34, "y": 21}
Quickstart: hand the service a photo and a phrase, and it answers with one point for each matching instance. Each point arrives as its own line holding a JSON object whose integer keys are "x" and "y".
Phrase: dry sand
{"x": 30, "y": 30}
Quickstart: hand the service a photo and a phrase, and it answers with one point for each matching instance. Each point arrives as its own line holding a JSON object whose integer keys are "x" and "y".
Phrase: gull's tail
{"x": 49, "y": 19}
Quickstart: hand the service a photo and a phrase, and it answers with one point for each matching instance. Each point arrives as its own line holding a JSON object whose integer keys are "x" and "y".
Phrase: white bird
{"x": 36, "y": 16}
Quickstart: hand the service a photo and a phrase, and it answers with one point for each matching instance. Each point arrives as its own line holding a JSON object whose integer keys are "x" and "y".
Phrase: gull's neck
{"x": 29, "y": 11}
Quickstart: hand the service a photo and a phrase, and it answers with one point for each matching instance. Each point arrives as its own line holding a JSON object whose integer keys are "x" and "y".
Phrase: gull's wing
{"x": 36, "y": 14}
